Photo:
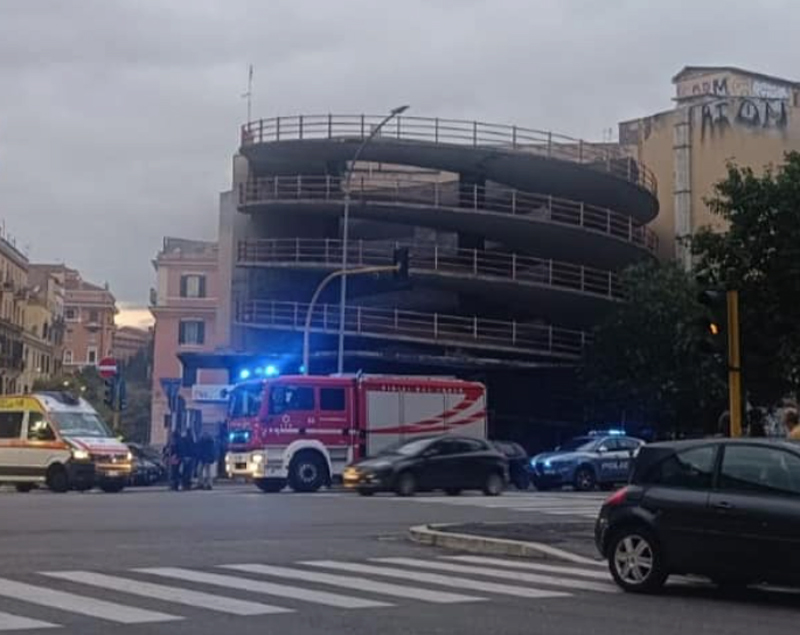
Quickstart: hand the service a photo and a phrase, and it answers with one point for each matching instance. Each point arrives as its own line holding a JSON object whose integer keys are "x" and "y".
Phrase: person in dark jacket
{"x": 207, "y": 457}
{"x": 188, "y": 459}
{"x": 174, "y": 461}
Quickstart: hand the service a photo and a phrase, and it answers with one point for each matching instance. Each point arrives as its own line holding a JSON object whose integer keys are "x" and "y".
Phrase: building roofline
{"x": 732, "y": 69}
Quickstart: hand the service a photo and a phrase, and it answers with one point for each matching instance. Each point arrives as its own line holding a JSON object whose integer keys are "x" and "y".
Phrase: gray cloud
{"x": 118, "y": 118}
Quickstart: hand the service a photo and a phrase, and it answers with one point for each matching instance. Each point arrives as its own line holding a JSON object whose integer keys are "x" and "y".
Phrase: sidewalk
{"x": 560, "y": 541}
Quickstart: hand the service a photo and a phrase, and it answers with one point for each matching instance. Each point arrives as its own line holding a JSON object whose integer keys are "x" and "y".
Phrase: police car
{"x": 586, "y": 462}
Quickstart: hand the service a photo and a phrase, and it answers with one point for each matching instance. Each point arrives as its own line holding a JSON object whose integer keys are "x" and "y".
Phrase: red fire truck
{"x": 303, "y": 430}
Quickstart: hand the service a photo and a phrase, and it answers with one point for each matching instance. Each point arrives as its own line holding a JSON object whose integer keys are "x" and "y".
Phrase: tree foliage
{"x": 643, "y": 359}
{"x": 759, "y": 255}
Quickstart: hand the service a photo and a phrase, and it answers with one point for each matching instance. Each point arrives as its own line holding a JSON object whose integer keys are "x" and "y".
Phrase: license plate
{"x": 112, "y": 474}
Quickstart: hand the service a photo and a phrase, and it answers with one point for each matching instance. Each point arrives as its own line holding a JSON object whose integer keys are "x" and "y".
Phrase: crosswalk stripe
{"x": 73, "y": 603}
{"x": 534, "y": 566}
{"x": 534, "y": 578}
{"x": 168, "y": 593}
{"x": 434, "y": 578}
{"x": 268, "y": 588}
{"x": 10, "y": 622}
{"x": 362, "y": 584}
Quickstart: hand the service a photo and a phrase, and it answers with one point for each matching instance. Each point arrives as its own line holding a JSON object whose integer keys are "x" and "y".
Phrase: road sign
{"x": 107, "y": 367}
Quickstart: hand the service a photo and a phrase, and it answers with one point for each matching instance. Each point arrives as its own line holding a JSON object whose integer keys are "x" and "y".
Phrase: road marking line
{"x": 268, "y": 588}
{"x": 534, "y": 578}
{"x": 434, "y": 578}
{"x": 535, "y": 566}
{"x": 73, "y": 603}
{"x": 361, "y": 584}
{"x": 10, "y": 622}
{"x": 168, "y": 593}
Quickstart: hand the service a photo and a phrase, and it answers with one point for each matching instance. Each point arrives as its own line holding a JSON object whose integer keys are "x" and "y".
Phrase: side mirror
{"x": 602, "y": 449}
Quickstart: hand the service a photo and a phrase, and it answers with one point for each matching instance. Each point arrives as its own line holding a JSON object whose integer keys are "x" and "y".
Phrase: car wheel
{"x": 406, "y": 484}
{"x": 452, "y": 491}
{"x": 493, "y": 485}
{"x": 636, "y": 561}
{"x": 24, "y": 488}
{"x": 584, "y": 480}
{"x": 307, "y": 472}
{"x": 270, "y": 485}
{"x": 57, "y": 479}
{"x": 522, "y": 483}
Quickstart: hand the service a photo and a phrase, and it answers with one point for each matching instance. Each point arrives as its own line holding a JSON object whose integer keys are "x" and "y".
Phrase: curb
{"x": 431, "y": 535}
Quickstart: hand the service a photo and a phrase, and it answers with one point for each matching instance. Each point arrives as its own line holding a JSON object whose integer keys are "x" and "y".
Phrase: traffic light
{"x": 401, "y": 263}
{"x": 711, "y": 336}
{"x": 122, "y": 395}
{"x": 108, "y": 394}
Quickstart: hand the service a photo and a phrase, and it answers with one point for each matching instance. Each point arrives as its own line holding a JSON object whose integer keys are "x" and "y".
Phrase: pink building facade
{"x": 184, "y": 304}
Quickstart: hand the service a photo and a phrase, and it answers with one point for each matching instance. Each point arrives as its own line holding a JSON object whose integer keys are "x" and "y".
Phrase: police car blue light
{"x": 586, "y": 462}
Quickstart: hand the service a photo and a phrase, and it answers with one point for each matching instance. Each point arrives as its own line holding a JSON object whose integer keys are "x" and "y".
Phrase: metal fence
{"x": 426, "y": 328}
{"x": 604, "y": 157}
{"x": 450, "y": 195}
{"x": 433, "y": 258}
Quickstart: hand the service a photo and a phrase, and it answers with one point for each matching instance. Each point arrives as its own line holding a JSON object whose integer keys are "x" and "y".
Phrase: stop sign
{"x": 107, "y": 367}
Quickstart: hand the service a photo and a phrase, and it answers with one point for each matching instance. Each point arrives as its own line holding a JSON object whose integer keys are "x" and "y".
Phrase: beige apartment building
{"x": 13, "y": 298}
{"x": 44, "y": 327}
{"x": 129, "y": 341}
{"x": 89, "y": 312}
{"x": 720, "y": 114}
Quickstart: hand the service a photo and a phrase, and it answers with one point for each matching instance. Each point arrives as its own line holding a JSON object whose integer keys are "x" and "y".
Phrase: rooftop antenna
{"x": 249, "y": 94}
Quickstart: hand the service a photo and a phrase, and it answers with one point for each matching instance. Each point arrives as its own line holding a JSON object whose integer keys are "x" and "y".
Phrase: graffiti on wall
{"x": 722, "y": 85}
{"x": 749, "y": 112}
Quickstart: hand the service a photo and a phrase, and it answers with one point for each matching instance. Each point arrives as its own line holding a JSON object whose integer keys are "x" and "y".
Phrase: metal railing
{"x": 604, "y": 157}
{"x": 426, "y": 328}
{"x": 449, "y": 195}
{"x": 493, "y": 265}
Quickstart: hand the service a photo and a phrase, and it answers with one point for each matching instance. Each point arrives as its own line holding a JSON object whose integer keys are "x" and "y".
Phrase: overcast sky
{"x": 118, "y": 118}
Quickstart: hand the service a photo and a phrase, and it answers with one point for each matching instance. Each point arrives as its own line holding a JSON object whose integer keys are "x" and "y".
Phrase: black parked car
{"x": 448, "y": 463}
{"x": 728, "y": 509}
{"x": 517, "y": 463}
{"x": 148, "y": 468}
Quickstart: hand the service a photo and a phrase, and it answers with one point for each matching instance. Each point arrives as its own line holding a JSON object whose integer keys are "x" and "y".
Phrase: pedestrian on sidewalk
{"x": 792, "y": 423}
{"x": 174, "y": 461}
{"x": 207, "y": 456}
{"x": 188, "y": 459}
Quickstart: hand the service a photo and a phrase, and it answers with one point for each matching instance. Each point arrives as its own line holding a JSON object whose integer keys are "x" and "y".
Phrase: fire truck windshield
{"x": 246, "y": 400}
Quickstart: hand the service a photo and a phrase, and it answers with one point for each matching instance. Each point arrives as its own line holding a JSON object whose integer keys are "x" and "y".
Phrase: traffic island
{"x": 565, "y": 542}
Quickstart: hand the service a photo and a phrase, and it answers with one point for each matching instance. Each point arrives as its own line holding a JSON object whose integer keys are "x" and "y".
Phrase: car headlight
{"x": 129, "y": 456}
{"x": 81, "y": 455}
{"x": 258, "y": 458}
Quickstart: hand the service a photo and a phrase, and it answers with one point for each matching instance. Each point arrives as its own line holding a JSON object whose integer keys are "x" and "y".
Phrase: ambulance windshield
{"x": 80, "y": 424}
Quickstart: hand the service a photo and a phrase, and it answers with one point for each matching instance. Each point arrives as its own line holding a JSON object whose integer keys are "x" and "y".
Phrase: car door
{"x": 12, "y": 451}
{"x": 756, "y": 509}
{"x": 435, "y": 465}
{"x": 41, "y": 445}
{"x": 677, "y": 491}
{"x": 612, "y": 461}
{"x": 469, "y": 464}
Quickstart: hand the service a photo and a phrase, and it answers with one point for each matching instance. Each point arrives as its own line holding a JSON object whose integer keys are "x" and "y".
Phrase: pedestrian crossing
{"x": 566, "y": 505}
{"x": 156, "y": 595}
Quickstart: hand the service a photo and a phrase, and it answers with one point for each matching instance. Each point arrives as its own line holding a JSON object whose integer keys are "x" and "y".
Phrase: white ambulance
{"x": 58, "y": 440}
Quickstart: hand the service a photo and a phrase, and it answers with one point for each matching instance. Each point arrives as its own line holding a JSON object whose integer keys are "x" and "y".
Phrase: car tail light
{"x": 617, "y": 498}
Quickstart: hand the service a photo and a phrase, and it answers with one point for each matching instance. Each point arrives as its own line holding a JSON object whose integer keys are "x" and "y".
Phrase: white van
{"x": 59, "y": 440}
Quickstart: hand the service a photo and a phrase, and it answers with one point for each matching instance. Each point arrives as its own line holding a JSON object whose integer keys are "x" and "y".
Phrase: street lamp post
{"x": 346, "y": 226}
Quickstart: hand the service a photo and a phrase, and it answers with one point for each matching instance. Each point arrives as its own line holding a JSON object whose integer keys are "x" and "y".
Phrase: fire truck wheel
{"x": 270, "y": 485}
{"x": 57, "y": 479}
{"x": 406, "y": 485}
{"x": 307, "y": 472}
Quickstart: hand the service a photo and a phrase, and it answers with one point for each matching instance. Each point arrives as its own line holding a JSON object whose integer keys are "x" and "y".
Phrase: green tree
{"x": 644, "y": 360}
{"x": 759, "y": 255}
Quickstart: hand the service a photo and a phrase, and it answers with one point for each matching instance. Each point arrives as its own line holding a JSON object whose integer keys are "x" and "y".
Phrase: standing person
{"x": 188, "y": 455}
{"x": 174, "y": 461}
{"x": 790, "y": 420}
{"x": 207, "y": 456}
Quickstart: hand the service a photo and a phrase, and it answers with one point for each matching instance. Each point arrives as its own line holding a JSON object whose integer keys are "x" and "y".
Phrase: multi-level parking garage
{"x": 515, "y": 236}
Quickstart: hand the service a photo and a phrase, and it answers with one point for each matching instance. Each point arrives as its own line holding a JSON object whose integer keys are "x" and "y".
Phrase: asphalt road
{"x": 157, "y": 562}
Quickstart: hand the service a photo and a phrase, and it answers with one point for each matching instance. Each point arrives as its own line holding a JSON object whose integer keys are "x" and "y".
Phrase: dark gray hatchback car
{"x": 728, "y": 509}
